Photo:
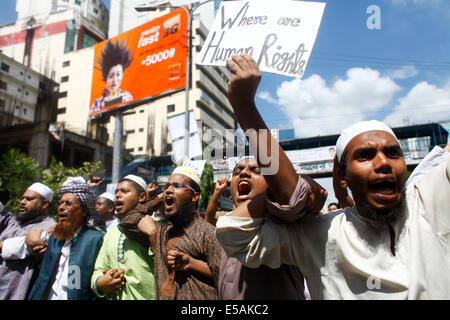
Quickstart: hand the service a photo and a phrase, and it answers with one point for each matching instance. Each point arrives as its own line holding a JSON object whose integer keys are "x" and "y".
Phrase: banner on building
{"x": 176, "y": 126}
{"x": 279, "y": 36}
{"x": 144, "y": 62}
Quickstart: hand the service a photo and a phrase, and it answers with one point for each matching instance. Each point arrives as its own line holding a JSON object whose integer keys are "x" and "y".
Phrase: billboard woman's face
{"x": 114, "y": 78}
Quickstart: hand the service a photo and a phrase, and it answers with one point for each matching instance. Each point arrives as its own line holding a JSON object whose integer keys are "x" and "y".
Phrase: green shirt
{"x": 119, "y": 252}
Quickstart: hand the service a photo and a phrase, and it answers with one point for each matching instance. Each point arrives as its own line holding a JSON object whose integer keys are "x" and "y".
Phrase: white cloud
{"x": 317, "y": 108}
{"x": 265, "y": 95}
{"x": 404, "y": 3}
{"x": 404, "y": 72}
{"x": 423, "y": 103}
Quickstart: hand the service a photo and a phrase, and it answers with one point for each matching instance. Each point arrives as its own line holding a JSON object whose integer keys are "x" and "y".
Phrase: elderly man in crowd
{"x": 17, "y": 264}
{"x": 393, "y": 244}
{"x": 187, "y": 254}
{"x": 71, "y": 251}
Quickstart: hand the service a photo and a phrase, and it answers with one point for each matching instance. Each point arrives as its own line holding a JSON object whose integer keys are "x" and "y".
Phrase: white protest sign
{"x": 197, "y": 165}
{"x": 279, "y": 35}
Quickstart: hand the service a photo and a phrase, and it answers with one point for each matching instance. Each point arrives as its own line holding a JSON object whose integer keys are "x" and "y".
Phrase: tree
{"x": 17, "y": 173}
{"x": 207, "y": 187}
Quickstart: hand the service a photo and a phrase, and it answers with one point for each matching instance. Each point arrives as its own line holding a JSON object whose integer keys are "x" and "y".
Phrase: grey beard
{"x": 181, "y": 217}
{"x": 382, "y": 217}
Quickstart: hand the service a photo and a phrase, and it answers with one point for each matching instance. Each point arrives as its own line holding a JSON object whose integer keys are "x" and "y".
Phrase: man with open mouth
{"x": 124, "y": 266}
{"x": 238, "y": 282}
{"x": 187, "y": 254}
{"x": 393, "y": 244}
{"x": 17, "y": 265}
{"x": 71, "y": 251}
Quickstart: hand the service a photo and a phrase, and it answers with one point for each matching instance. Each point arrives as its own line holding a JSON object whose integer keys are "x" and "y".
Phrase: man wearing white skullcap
{"x": 393, "y": 244}
{"x": 124, "y": 266}
{"x": 106, "y": 209}
{"x": 16, "y": 263}
{"x": 187, "y": 254}
{"x": 390, "y": 245}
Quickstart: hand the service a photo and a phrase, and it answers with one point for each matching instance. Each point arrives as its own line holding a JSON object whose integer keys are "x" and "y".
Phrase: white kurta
{"x": 343, "y": 256}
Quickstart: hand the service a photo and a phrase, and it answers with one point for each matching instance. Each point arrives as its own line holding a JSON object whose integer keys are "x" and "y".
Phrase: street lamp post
{"x": 189, "y": 12}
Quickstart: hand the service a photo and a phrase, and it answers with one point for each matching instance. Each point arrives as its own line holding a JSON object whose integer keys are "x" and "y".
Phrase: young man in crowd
{"x": 105, "y": 208}
{"x": 187, "y": 254}
{"x": 71, "y": 250}
{"x": 124, "y": 266}
{"x": 17, "y": 265}
{"x": 390, "y": 245}
{"x": 238, "y": 282}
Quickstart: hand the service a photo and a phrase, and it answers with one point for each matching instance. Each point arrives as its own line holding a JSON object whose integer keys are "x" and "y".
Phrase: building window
{"x": 2, "y": 104}
{"x": 141, "y": 111}
{"x": 140, "y": 148}
{"x": 5, "y": 67}
{"x": 65, "y": 79}
{"x": 19, "y": 90}
{"x": 61, "y": 110}
{"x": 170, "y": 108}
{"x": 129, "y": 131}
{"x": 26, "y": 93}
{"x": 24, "y": 111}
{"x": 66, "y": 64}
{"x": 141, "y": 129}
{"x": 78, "y": 2}
{"x": 129, "y": 150}
{"x": 95, "y": 10}
{"x": 63, "y": 94}
{"x": 3, "y": 85}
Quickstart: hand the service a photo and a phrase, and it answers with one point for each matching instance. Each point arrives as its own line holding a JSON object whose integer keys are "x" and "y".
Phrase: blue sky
{"x": 399, "y": 73}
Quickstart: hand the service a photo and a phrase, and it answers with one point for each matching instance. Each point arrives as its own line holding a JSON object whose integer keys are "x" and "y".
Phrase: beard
{"x": 181, "y": 217}
{"x": 383, "y": 217}
{"x": 66, "y": 229}
{"x": 29, "y": 214}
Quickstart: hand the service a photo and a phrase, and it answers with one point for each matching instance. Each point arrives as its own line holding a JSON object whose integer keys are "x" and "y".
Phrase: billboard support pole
{"x": 117, "y": 148}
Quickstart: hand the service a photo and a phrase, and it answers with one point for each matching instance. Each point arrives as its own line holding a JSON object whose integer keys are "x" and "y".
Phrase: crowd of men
{"x": 389, "y": 239}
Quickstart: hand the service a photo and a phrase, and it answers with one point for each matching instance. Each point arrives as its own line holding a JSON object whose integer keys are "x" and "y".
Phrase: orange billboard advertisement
{"x": 144, "y": 62}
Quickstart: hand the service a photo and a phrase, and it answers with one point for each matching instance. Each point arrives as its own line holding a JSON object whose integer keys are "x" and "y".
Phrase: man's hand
{"x": 148, "y": 227}
{"x": 112, "y": 281}
{"x": 244, "y": 80}
{"x": 178, "y": 261}
{"x": 317, "y": 196}
{"x": 151, "y": 191}
{"x": 33, "y": 239}
{"x": 220, "y": 185}
{"x": 95, "y": 181}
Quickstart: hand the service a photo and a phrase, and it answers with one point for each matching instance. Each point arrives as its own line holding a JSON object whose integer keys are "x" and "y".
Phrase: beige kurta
{"x": 343, "y": 256}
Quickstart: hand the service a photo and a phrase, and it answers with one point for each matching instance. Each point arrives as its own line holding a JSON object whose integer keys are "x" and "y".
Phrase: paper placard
{"x": 279, "y": 35}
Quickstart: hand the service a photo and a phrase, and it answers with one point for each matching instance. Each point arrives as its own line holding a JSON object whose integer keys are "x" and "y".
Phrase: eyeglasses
{"x": 177, "y": 186}
{"x": 67, "y": 203}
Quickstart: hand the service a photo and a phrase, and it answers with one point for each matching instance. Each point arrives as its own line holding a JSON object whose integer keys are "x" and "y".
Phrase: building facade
{"x": 45, "y": 30}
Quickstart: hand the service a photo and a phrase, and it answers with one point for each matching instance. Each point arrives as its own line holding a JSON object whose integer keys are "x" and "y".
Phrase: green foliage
{"x": 207, "y": 187}
{"x": 17, "y": 173}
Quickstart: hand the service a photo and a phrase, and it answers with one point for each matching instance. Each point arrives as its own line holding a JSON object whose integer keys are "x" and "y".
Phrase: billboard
{"x": 143, "y": 62}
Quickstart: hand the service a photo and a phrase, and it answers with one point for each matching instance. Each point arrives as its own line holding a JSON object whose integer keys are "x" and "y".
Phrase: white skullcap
{"x": 188, "y": 172}
{"x": 72, "y": 179}
{"x": 364, "y": 126}
{"x": 107, "y": 195}
{"x": 43, "y": 190}
{"x": 138, "y": 180}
